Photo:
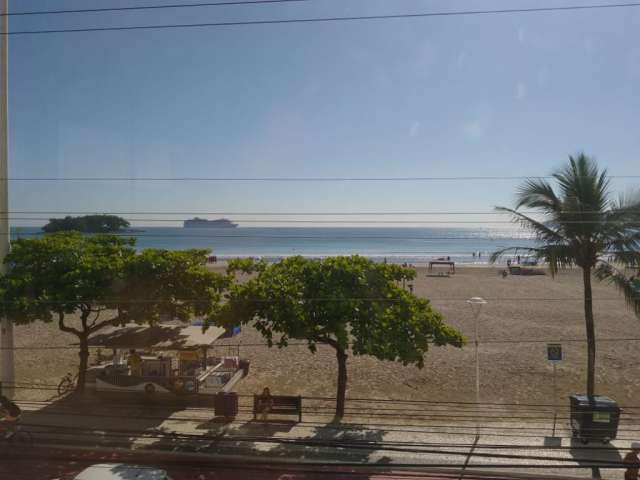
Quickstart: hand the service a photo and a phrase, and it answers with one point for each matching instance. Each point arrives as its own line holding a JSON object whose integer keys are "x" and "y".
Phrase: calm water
{"x": 396, "y": 244}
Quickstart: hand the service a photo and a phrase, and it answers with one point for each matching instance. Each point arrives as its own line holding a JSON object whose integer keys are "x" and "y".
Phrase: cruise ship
{"x": 197, "y": 222}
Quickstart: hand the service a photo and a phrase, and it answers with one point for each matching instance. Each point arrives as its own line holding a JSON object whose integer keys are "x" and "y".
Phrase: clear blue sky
{"x": 482, "y": 95}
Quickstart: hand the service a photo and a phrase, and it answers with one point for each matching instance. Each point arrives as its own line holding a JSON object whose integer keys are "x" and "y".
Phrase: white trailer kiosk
{"x": 167, "y": 359}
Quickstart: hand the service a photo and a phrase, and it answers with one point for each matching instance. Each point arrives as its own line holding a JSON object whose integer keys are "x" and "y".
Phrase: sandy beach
{"x": 523, "y": 313}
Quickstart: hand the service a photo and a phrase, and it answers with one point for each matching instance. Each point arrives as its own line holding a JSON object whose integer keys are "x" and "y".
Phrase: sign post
{"x": 554, "y": 355}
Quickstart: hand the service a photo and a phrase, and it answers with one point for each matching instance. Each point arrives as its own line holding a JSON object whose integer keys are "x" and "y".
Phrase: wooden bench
{"x": 282, "y": 405}
{"x": 518, "y": 270}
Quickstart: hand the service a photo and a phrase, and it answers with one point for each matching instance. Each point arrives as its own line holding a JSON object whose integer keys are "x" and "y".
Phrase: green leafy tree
{"x": 349, "y": 303}
{"x": 582, "y": 225}
{"x": 86, "y": 224}
{"x": 89, "y": 283}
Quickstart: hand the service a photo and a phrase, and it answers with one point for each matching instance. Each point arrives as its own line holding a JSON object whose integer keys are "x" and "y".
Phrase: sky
{"x": 483, "y": 95}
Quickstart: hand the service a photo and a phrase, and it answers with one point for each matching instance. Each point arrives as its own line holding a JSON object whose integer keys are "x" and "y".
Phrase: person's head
{"x": 266, "y": 391}
{"x": 635, "y": 447}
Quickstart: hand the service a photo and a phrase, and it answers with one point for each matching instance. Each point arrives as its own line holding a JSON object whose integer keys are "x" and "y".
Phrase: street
{"x": 64, "y": 464}
{"x": 513, "y": 440}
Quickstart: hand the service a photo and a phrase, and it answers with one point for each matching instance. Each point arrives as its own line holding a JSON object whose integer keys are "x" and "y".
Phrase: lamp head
{"x": 476, "y": 304}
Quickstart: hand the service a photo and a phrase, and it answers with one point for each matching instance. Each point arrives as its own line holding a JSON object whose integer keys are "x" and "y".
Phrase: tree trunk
{"x": 84, "y": 362}
{"x": 591, "y": 334}
{"x": 342, "y": 382}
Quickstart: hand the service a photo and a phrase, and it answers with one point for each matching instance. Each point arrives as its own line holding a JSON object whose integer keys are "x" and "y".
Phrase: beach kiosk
{"x": 167, "y": 359}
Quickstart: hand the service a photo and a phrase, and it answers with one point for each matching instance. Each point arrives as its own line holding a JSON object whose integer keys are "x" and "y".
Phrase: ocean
{"x": 397, "y": 245}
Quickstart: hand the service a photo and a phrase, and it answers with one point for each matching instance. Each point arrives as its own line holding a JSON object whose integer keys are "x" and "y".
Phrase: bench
{"x": 282, "y": 405}
{"x": 517, "y": 270}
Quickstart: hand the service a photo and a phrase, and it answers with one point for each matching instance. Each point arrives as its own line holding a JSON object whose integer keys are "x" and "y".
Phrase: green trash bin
{"x": 594, "y": 418}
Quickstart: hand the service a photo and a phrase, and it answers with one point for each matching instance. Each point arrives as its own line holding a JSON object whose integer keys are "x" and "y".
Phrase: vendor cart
{"x": 166, "y": 359}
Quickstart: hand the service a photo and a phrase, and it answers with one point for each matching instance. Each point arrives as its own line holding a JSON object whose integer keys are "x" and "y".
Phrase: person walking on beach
{"x": 631, "y": 459}
{"x": 265, "y": 404}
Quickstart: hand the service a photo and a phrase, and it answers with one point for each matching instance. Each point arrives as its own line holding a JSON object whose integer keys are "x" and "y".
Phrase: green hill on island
{"x": 87, "y": 224}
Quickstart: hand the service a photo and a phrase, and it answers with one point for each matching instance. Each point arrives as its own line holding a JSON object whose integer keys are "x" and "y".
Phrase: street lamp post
{"x": 476, "y": 304}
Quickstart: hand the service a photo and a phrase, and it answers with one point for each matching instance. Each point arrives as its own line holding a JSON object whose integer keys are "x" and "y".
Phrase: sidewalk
{"x": 509, "y": 439}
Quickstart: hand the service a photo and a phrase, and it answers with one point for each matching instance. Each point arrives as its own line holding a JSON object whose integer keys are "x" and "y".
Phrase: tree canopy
{"x": 350, "y": 303}
{"x": 100, "y": 281}
{"x": 87, "y": 224}
{"x": 582, "y": 224}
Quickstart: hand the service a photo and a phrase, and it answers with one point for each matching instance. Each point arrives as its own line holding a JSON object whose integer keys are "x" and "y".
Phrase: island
{"x": 87, "y": 224}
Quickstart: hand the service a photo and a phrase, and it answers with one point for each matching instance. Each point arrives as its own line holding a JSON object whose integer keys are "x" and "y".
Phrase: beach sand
{"x": 523, "y": 313}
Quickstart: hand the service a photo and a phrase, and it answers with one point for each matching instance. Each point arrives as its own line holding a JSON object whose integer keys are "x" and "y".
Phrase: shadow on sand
{"x": 125, "y": 421}
{"x": 331, "y": 442}
{"x": 594, "y": 454}
{"x": 98, "y": 420}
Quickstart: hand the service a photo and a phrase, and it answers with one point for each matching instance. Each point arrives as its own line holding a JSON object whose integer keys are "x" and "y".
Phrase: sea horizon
{"x": 466, "y": 245}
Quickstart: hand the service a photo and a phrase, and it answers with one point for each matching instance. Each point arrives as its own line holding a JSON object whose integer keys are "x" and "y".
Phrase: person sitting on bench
{"x": 265, "y": 404}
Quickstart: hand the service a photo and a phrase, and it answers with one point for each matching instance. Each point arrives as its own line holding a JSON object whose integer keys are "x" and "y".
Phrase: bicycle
{"x": 67, "y": 384}
{"x": 14, "y": 435}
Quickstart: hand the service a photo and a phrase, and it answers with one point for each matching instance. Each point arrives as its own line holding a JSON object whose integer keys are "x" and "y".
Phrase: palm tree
{"x": 582, "y": 225}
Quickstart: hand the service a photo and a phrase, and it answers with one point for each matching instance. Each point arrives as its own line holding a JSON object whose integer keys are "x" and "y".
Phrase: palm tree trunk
{"x": 591, "y": 334}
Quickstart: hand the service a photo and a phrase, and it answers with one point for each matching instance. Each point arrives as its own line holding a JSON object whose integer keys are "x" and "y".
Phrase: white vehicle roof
{"x": 121, "y": 471}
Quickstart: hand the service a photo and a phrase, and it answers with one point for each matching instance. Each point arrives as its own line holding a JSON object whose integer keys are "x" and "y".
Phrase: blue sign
{"x": 554, "y": 352}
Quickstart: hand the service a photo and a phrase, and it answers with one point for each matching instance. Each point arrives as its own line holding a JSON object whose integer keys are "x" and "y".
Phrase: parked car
{"x": 121, "y": 471}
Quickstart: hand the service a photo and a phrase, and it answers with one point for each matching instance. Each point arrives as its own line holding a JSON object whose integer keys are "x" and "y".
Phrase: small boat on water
{"x": 197, "y": 222}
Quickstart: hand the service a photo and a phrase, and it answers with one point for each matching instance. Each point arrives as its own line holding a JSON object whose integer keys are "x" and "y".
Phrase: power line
{"x": 149, "y": 7}
{"x": 446, "y": 408}
{"x": 415, "y": 222}
{"x": 493, "y": 431}
{"x": 291, "y": 179}
{"x": 324, "y": 237}
{"x": 301, "y": 237}
{"x": 563, "y": 462}
{"x": 272, "y": 214}
{"x": 490, "y": 416}
{"x": 381, "y": 445}
{"x": 188, "y": 300}
{"x": 247, "y": 409}
{"x": 331, "y": 19}
{"x": 305, "y": 344}
{"x": 432, "y": 406}
{"x": 178, "y": 220}
{"x": 263, "y": 213}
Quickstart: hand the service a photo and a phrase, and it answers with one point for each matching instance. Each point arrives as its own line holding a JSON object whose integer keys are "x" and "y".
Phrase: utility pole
{"x": 6, "y": 326}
